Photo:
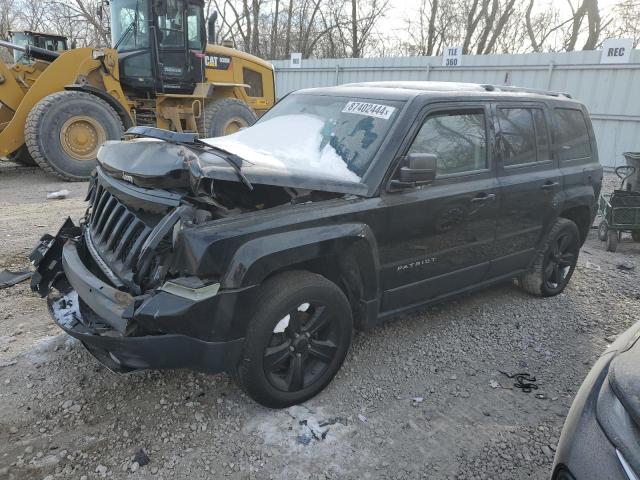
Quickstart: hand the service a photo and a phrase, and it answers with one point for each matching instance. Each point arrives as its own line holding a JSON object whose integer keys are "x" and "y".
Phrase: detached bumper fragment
{"x": 104, "y": 318}
{"x": 46, "y": 257}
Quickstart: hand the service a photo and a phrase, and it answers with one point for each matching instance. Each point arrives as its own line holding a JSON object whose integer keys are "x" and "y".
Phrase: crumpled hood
{"x": 159, "y": 164}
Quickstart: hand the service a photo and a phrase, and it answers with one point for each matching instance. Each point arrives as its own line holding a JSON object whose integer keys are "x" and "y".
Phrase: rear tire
{"x": 23, "y": 156}
{"x": 65, "y": 130}
{"x": 603, "y": 228}
{"x": 296, "y": 341}
{"x": 555, "y": 263}
{"x": 612, "y": 241}
{"x": 224, "y": 117}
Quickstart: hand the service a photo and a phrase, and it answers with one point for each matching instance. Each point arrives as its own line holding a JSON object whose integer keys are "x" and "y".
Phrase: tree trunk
{"x": 274, "y": 32}
{"x": 287, "y": 42}
{"x": 431, "y": 35}
{"x": 355, "y": 50}
{"x": 532, "y": 36}
{"x": 593, "y": 16}
{"x": 255, "y": 33}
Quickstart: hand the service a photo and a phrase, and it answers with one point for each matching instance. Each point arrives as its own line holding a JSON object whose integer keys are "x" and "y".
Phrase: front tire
{"x": 65, "y": 130}
{"x": 296, "y": 341}
{"x": 224, "y": 117}
{"x": 555, "y": 263}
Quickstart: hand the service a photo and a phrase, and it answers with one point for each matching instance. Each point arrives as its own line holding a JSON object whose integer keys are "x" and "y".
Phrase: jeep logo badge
{"x": 127, "y": 178}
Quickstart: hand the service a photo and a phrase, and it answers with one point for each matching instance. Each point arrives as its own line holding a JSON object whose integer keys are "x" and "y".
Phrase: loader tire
{"x": 224, "y": 117}
{"x": 65, "y": 130}
{"x": 23, "y": 156}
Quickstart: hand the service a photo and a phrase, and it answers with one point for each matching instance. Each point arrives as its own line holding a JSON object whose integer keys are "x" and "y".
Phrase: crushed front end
{"x": 107, "y": 285}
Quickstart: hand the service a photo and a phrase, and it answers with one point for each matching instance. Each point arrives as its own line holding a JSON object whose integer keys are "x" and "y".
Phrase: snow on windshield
{"x": 292, "y": 142}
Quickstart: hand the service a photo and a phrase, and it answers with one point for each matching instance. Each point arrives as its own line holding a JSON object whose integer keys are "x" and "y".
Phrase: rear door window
{"x": 572, "y": 135}
{"x": 522, "y": 136}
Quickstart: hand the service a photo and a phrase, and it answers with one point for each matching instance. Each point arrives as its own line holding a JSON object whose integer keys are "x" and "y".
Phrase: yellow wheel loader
{"x": 161, "y": 72}
{"x": 47, "y": 41}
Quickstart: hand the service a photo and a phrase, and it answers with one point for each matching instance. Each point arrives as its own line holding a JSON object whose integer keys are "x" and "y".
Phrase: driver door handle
{"x": 483, "y": 197}
{"x": 549, "y": 185}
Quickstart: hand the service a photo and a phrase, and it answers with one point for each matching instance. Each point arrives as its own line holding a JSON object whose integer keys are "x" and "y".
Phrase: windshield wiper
{"x": 190, "y": 140}
{"x": 133, "y": 25}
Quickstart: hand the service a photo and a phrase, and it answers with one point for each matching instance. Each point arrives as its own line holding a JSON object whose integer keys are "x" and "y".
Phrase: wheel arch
{"x": 127, "y": 121}
{"x": 347, "y": 255}
{"x": 581, "y": 216}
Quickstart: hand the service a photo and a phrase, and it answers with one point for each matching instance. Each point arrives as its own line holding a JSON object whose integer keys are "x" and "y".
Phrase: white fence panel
{"x": 611, "y": 92}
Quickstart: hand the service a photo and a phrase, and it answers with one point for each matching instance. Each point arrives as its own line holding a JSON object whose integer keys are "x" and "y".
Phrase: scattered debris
{"x": 8, "y": 363}
{"x": 417, "y": 399}
{"x": 625, "y": 267}
{"x": 59, "y": 195}
{"x": 524, "y": 381}
{"x": 333, "y": 421}
{"x": 141, "y": 457}
{"x": 611, "y": 338}
{"x": 303, "y": 439}
{"x": 362, "y": 418}
{"x": 8, "y": 278}
{"x": 493, "y": 383}
{"x": 318, "y": 432}
{"x": 592, "y": 266}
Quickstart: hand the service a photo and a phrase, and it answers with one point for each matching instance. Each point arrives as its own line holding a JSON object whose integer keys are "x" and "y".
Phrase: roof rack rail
{"x": 507, "y": 88}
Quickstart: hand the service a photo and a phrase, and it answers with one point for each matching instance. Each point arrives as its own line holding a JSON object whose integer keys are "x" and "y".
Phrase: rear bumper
{"x": 125, "y": 333}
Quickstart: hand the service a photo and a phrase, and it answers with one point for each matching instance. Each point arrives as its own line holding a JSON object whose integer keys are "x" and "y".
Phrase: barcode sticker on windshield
{"x": 369, "y": 109}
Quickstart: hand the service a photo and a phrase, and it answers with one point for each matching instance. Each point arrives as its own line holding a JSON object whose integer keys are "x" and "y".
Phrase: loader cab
{"x": 160, "y": 44}
{"x": 48, "y": 41}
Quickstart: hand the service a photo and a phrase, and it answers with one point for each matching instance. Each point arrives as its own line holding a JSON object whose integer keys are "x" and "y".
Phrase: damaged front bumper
{"x": 176, "y": 331}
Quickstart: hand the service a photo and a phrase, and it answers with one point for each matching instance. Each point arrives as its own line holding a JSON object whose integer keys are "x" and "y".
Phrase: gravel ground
{"x": 419, "y": 397}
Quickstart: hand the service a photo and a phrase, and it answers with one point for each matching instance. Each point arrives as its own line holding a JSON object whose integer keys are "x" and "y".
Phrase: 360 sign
{"x": 452, "y": 57}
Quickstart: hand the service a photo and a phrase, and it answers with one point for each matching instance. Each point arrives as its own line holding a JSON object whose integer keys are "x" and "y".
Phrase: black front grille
{"x": 117, "y": 235}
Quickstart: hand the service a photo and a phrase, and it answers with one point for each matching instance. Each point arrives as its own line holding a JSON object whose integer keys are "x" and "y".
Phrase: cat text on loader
{"x": 160, "y": 72}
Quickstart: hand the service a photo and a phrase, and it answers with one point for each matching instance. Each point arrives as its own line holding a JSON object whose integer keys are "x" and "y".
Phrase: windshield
{"x": 327, "y": 136}
{"x": 127, "y": 28}
{"x": 22, "y": 40}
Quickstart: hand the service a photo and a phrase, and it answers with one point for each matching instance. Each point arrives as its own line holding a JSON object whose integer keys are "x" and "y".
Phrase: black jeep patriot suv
{"x": 259, "y": 252}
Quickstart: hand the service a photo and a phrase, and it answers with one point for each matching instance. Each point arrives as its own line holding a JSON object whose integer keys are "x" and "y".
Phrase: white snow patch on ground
{"x": 42, "y": 350}
{"x": 283, "y": 427}
{"x": 291, "y": 142}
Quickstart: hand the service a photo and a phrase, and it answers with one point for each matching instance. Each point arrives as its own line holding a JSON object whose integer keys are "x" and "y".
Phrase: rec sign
{"x": 616, "y": 50}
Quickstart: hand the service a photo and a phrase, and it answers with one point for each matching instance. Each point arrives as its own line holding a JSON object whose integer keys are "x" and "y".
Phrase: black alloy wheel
{"x": 303, "y": 345}
{"x": 296, "y": 340}
{"x": 555, "y": 262}
{"x": 560, "y": 260}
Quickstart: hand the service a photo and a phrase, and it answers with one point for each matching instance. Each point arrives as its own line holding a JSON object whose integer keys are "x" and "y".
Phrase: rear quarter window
{"x": 572, "y": 134}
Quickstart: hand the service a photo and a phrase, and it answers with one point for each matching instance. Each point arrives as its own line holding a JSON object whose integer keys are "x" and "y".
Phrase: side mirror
{"x": 420, "y": 168}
